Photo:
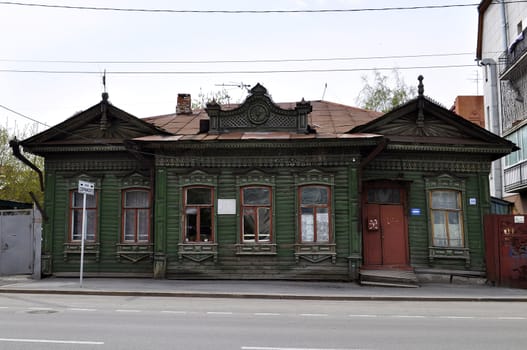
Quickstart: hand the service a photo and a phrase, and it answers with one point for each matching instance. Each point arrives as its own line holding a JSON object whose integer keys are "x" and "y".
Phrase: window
{"x": 198, "y": 214}
{"x": 76, "y": 203}
{"x": 256, "y": 214}
{"x": 314, "y": 214}
{"x": 136, "y": 216}
{"x": 447, "y": 222}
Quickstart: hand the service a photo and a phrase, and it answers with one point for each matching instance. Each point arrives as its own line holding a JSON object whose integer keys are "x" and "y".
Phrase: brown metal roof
{"x": 328, "y": 119}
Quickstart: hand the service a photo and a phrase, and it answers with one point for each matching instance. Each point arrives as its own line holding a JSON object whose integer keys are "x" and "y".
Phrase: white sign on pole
{"x": 86, "y": 188}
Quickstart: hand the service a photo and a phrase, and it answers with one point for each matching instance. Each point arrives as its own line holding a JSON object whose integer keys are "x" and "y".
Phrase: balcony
{"x": 515, "y": 177}
{"x": 513, "y": 57}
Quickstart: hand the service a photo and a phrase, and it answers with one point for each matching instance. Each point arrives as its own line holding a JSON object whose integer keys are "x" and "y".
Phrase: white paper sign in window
{"x": 226, "y": 206}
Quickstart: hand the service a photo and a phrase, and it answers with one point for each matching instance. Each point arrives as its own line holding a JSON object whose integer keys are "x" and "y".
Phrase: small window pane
{"x": 142, "y": 225}
{"x": 249, "y": 225}
{"x": 384, "y": 195}
{"x": 199, "y": 196}
{"x": 78, "y": 199}
{"x": 129, "y": 225}
{"x": 191, "y": 224}
{"x": 314, "y": 195}
{"x": 264, "y": 224}
{"x": 205, "y": 224}
{"x": 308, "y": 225}
{"x": 136, "y": 199}
{"x": 322, "y": 225}
{"x": 445, "y": 200}
{"x": 256, "y": 196}
{"x": 440, "y": 237}
{"x": 454, "y": 229}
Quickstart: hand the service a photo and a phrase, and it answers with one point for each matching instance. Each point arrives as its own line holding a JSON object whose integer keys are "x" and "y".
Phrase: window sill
{"x": 449, "y": 253}
{"x": 134, "y": 252}
{"x": 256, "y": 249}
{"x": 198, "y": 251}
{"x": 316, "y": 252}
{"x": 74, "y": 248}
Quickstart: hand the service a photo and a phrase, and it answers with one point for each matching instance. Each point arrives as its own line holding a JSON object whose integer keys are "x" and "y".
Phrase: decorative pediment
{"x": 424, "y": 121}
{"x": 255, "y": 177}
{"x": 135, "y": 179}
{"x": 102, "y": 123}
{"x": 258, "y": 113}
{"x": 313, "y": 176}
{"x": 197, "y": 177}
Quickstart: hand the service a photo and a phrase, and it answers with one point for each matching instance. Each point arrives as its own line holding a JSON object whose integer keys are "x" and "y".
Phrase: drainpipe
{"x": 494, "y": 119}
{"x": 504, "y": 26}
{"x": 15, "y": 145}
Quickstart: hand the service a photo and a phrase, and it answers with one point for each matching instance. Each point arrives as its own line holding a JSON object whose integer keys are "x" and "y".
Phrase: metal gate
{"x": 506, "y": 249}
{"x": 17, "y": 241}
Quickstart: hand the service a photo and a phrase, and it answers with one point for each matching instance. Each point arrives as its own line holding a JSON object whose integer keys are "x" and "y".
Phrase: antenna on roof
{"x": 324, "y": 93}
{"x": 240, "y": 85}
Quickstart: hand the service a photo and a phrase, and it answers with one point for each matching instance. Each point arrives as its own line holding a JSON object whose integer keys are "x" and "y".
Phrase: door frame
{"x": 403, "y": 187}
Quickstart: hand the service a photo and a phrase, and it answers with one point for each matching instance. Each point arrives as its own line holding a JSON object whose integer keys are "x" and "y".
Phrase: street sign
{"x": 86, "y": 187}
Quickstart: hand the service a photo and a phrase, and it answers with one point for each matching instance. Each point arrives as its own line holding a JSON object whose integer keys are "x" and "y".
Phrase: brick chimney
{"x": 184, "y": 104}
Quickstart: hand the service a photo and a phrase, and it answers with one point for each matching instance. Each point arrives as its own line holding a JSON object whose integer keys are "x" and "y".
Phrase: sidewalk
{"x": 258, "y": 289}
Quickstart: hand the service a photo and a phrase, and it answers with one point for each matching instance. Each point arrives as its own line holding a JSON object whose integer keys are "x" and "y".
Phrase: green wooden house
{"x": 264, "y": 190}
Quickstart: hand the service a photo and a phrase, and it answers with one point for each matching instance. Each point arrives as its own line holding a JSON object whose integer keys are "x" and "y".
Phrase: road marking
{"x": 52, "y": 341}
{"x": 511, "y": 318}
{"x": 40, "y": 308}
{"x": 173, "y": 312}
{"x": 372, "y": 316}
{"x": 458, "y": 317}
{"x": 408, "y": 316}
{"x": 75, "y": 309}
{"x": 3, "y": 307}
{"x": 280, "y": 348}
{"x": 127, "y": 310}
{"x": 219, "y": 313}
{"x": 266, "y": 314}
{"x": 314, "y": 315}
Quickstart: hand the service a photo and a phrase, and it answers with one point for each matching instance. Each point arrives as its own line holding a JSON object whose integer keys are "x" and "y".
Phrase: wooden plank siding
{"x": 109, "y": 231}
{"x": 282, "y": 265}
{"x": 476, "y": 186}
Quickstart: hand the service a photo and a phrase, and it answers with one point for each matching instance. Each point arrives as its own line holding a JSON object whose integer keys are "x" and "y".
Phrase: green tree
{"x": 380, "y": 96}
{"x": 16, "y": 178}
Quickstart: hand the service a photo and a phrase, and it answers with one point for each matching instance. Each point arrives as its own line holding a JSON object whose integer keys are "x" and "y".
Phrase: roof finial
{"x": 420, "y": 87}
{"x": 420, "y": 103}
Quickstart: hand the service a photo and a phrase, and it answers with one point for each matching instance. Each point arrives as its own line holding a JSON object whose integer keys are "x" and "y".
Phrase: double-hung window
{"x": 256, "y": 211}
{"x": 75, "y": 213}
{"x": 447, "y": 218}
{"x": 136, "y": 216}
{"x": 198, "y": 214}
{"x": 315, "y": 214}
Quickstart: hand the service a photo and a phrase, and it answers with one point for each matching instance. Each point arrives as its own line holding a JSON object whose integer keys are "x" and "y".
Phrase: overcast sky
{"x": 83, "y": 43}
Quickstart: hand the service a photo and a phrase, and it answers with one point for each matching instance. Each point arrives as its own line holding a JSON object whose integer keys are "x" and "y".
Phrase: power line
{"x": 233, "y": 71}
{"x": 122, "y": 9}
{"x": 278, "y": 60}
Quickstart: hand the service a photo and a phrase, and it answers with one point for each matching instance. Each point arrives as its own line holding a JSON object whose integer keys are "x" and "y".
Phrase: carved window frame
{"x": 198, "y": 251}
{"x": 73, "y": 247}
{"x": 315, "y": 251}
{"x": 135, "y": 251}
{"x": 255, "y": 179}
{"x": 136, "y": 211}
{"x": 447, "y": 182}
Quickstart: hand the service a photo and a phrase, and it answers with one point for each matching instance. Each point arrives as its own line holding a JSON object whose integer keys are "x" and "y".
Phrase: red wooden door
{"x": 385, "y": 233}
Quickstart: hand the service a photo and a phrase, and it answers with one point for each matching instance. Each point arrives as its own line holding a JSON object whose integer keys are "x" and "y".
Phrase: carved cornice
{"x": 90, "y": 164}
{"x": 258, "y": 161}
{"x": 433, "y": 165}
{"x": 446, "y": 148}
{"x": 69, "y": 148}
{"x": 197, "y": 178}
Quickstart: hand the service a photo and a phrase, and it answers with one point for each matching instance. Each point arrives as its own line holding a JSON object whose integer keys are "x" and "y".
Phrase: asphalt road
{"x": 110, "y": 322}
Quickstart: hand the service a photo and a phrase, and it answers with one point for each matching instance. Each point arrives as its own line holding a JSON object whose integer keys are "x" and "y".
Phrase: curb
{"x": 265, "y": 296}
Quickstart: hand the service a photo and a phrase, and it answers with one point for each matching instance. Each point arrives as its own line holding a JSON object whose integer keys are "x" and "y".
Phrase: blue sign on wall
{"x": 415, "y": 211}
